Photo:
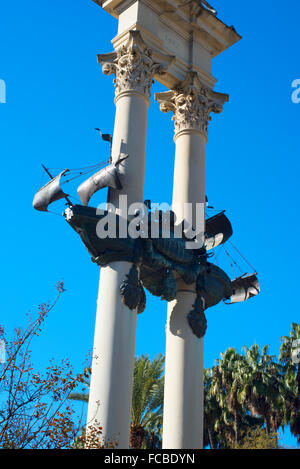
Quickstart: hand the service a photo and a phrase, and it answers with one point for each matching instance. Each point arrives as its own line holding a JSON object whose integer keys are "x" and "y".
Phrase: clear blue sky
{"x": 57, "y": 94}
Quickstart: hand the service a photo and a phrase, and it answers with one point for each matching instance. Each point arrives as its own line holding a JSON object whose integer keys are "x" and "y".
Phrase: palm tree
{"x": 285, "y": 356}
{"x": 211, "y": 408}
{"x": 218, "y": 422}
{"x": 264, "y": 391}
{"x": 291, "y": 373}
{"x": 235, "y": 382}
{"x": 147, "y": 401}
{"x": 226, "y": 386}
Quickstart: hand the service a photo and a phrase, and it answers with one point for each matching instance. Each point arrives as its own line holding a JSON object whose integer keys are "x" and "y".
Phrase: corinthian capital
{"x": 192, "y": 103}
{"x": 134, "y": 65}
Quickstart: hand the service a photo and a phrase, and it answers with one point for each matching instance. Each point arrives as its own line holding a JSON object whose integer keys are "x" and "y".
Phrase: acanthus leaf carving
{"x": 133, "y": 65}
{"x": 192, "y": 104}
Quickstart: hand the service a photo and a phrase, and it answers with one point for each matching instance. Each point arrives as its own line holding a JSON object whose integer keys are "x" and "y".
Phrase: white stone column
{"x": 114, "y": 343}
{"x": 191, "y": 104}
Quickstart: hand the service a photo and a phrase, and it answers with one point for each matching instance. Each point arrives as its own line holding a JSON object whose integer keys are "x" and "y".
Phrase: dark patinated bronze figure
{"x": 158, "y": 264}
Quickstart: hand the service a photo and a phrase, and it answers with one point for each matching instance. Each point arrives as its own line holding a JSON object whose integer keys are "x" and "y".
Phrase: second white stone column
{"x": 191, "y": 104}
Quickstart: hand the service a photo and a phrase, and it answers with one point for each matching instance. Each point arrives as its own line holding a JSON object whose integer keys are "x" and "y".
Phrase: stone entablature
{"x": 174, "y": 27}
{"x": 134, "y": 65}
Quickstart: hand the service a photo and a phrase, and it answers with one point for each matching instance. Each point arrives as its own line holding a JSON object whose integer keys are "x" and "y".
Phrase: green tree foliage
{"x": 252, "y": 395}
{"x": 34, "y": 410}
{"x": 226, "y": 413}
{"x": 248, "y": 397}
{"x": 291, "y": 373}
{"x": 147, "y": 402}
{"x": 258, "y": 438}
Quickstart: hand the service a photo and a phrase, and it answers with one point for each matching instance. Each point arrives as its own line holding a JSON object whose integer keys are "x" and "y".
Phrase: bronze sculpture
{"x": 158, "y": 261}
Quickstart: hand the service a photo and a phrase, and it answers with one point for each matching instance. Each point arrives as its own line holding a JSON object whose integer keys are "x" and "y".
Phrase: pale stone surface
{"x": 172, "y": 28}
{"x": 191, "y": 103}
{"x": 114, "y": 343}
{"x": 134, "y": 65}
{"x": 113, "y": 355}
{"x": 183, "y": 404}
